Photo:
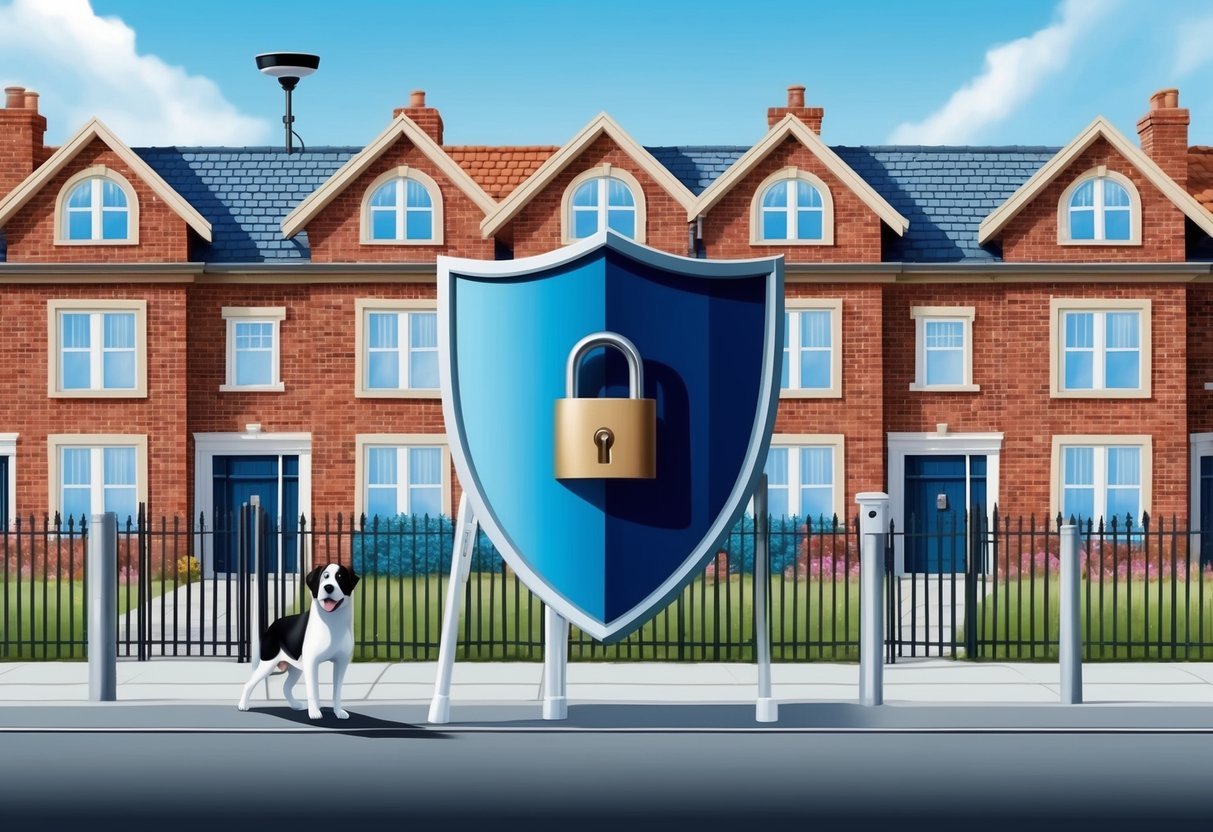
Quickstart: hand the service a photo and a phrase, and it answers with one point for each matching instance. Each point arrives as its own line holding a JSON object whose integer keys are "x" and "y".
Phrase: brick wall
{"x": 726, "y": 229}
{"x": 335, "y": 233}
{"x": 1032, "y": 235}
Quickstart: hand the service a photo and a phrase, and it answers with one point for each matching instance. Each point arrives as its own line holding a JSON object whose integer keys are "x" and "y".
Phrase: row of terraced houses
{"x": 966, "y": 326}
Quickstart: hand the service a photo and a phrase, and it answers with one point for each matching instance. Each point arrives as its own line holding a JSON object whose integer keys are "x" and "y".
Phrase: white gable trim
{"x": 404, "y": 126}
{"x": 94, "y": 129}
{"x": 794, "y": 127}
{"x": 600, "y": 125}
{"x": 1099, "y": 128}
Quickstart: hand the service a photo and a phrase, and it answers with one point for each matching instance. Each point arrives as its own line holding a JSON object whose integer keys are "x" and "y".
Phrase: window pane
{"x": 1084, "y": 195}
{"x": 385, "y": 194}
{"x": 118, "y": 370}
{"x": 77, "y": 503}
{"x": 815, "y": 329}
{"x": 1122, "y": 330}
{"x": 119, "y": 465}
{"x": 419, "y": 225}
{"x": 1080, "y": 371}
{"x": 586, "y": 194}
{"x": 777, "y": 501}
{"x": 808, "y": 225}
{"x": 425, "y": 466}
{"x": 416, "y": 195}
{"x": 381, "y": 502}
{"x": 1078, "y": 466}
{"x": 77, "y": 463}
{"x": 113, "y": 225}
{"x": 622, "y": 221}
{"x": 381, "y": 466}
{"x": 783, "y": 372}
{"x": 1082, "y": 225}
{"x": 944, "y": 334}
{"x": 1124, "y": 466}
{"x": 76, "y": 371}
{"x": 777, "y": 466}
{"x": 1116, "y": 225}
{"x": 74, "y": 330}
{"x": 122, "y": 501}
{"x": 423, "y": 370}
{"x": 817, "y": 507}
{"x": 1080, "y": 329}
{"x": 383, "y": 225}
{"x": 815, "y": 369}
{"x": 384, "y": 370}
{"x": 618, "y": 194}
{"x": 1114, "y": 195}
{"x": 585, "y": 223}
{"x": 81, "y": 195}
{"x": 79, "y": 225}
{"x": 776, "y": 196}
{"x": 383, "y": 329}
{"x": 254, "y": 336}
{"x": 425, "y": 501}
{"x": 774, "y": 225}
{"x": 1123, "y": 370}
{"x": 112, "y": 195}
{"x": 1122, "y": 503}
{"x": 945, "y": 367}
{"x": 119, "y": 329}
{"x": 817, "y": 466}
{"x": 254, "y": 367}
{"x": 423, "y": 329}
{"x": 1078, "y": 503}
{"x": 807, "y": 196}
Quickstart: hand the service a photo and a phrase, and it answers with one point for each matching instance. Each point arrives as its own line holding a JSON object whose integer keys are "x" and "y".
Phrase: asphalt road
{"x": 203, "y": 767}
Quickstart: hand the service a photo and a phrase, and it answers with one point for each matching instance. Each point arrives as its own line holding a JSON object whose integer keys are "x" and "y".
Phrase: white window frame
{"x": 1099, "y": 174}
{"x": 97, "y": 173}
{"x": 963, "y": 315}
{"x": 55, "y": 309}
{"x": 400, "y": 174}
{"x": 363, "y": 442}
{"x": 273, "y": 315}
{"x": 794, "y": 442}
{"x": 8, "y": 448}
{"x": 1101, "y": 443}
{"x": 56, "y": 443}
{"x": 791, "y": 174}
{"x": 794, "y": 306}
{"x": 363, "y": 308}
{"x": 1058, "y": 307}
{"x": 602, "y": 172}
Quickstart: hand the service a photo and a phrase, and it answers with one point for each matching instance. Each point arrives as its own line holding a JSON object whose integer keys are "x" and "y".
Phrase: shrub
{"x": 410, "y": 545}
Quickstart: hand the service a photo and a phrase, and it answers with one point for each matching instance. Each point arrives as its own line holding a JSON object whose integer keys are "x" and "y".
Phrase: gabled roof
{"x": 402, "y": 125}
{"x": 793, "y": 127}
{"x": 600, "y": 125}
{"x": 1097, "y": 129}
{"x": 65, "y": 154}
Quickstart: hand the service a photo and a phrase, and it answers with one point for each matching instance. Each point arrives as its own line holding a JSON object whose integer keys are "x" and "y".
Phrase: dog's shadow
{"x": 358, "y": 725}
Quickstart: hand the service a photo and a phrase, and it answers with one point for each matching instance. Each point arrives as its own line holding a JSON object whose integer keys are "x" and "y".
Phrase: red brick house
{"x": 1020, "y": 326}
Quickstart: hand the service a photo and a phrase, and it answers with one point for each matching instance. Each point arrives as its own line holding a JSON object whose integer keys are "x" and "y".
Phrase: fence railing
{"x": 983, "y": 589}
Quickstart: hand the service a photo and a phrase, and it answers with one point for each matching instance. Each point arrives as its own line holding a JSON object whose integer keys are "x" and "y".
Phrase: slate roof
{"x": 945, "y": 192}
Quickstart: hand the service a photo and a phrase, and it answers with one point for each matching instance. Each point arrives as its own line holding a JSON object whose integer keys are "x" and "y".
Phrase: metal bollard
{"x": 1070, "y": 640}
{"x": 873, "y": 529}
{"x": 103, "y": 608}
{"x": 766, "y": 709}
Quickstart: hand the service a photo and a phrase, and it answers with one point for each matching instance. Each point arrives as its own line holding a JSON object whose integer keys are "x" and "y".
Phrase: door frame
{"x": 207, "y": 446}
{"x": 1199, "y": 444}
{"x": 8, "y": 448}
{"x": 902, "y": 445}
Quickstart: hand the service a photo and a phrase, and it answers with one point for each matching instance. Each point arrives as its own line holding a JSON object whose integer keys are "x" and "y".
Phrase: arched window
{"x": 97, "y": 206}
{"x": 1102, "y": 208}
{"x": 403, "y": 206}
{"x": 792, "y": 207}
{"x": 604, "y": 197}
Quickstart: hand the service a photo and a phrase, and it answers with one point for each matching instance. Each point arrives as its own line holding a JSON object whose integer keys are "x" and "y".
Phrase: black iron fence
{"x": 985, "y": 589}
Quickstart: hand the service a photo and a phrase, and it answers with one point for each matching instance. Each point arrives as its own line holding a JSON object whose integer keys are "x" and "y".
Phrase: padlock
{"x": 606, "y": 438}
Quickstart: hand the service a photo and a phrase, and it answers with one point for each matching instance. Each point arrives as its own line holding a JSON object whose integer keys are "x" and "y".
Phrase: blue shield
{"x": 607, "y": 554}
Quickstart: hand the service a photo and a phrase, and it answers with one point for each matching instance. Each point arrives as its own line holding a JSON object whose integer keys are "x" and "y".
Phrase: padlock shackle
{"x": 605, "y": 339}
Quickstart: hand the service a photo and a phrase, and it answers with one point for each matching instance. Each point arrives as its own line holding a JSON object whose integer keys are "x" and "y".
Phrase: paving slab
{"x": 946, "y": 693}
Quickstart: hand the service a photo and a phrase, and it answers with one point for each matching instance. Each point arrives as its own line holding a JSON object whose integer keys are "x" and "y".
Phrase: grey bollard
{"x": 103, "y": 608}
{"x": 873, "y": 529}
{"x": 1070, "y": 638}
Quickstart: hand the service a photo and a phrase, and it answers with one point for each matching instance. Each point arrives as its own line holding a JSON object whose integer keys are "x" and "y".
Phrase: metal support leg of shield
{"x": 555, "y": 665}
{"x": 461, "y": 564}
{"x": 766, "y": 709}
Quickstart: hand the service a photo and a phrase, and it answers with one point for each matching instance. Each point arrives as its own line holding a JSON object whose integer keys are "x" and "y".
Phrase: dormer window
{"x": 792, "y": 207}
{"x": 97, "y": 207}
{"x": 603, "y": 197}
{"x": 1101, "y": 209}
{"x": 402, "y": 207}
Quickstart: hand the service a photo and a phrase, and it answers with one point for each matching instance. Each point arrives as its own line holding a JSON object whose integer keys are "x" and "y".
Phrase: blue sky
{"x": 930, "y": 72}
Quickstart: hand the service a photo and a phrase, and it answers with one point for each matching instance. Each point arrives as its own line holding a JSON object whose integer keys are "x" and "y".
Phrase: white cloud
{"x": 1194, "y": 45}
{"x": 85, "y": 65}
{"x": 1012, "y": 73}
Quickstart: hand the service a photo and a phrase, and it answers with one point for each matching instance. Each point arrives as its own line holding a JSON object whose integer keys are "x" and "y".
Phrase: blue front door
{"x": 939, "y": 490}
{"x": 239, "y": 478}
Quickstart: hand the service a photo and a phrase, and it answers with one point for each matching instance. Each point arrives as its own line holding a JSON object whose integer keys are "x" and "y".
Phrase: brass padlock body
{"x": 633, "y": 451}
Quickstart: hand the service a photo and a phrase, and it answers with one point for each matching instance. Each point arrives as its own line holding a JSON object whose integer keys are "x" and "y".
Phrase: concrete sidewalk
{"x": 919, "y": 682}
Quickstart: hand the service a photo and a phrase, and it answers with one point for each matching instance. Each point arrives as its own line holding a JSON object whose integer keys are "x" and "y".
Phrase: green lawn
{"x": 1135, "y": 615}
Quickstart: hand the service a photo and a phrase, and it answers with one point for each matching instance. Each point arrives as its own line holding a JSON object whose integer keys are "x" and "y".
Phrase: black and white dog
{"x": 299, "y": 643}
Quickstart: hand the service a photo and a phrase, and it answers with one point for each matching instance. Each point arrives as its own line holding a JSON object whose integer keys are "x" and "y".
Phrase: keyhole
{"x": 604, "y": 439}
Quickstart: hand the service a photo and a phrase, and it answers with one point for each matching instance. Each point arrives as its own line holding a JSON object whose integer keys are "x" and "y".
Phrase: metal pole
{"x": 103, "y": 608}
{"x": 288, "y": 119}
{"x": 1070, "y": 642}
{"x": 555, "y": 665}
{"x": 461, "y": 565}
{"x": 766, "y": 709}
{"x": 873, "y": 529}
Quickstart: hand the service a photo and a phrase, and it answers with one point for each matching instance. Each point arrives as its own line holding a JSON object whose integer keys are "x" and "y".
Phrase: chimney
{"x": 1164, "y": 135}
{"x": 427, "y": 118}
{"x": 811, "y": 116}
{"x": 22, "y": 131}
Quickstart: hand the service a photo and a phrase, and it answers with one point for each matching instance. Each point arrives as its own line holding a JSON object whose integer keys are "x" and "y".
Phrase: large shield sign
{"x": 607, "y": 553}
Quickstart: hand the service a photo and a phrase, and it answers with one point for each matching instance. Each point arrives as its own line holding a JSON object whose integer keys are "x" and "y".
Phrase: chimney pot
{"x": 417, "y": 98}
{"x": 14, "y": 98}
{"x": 796, "y": 96}
{"x": 31, "y": 100}
{"x": 1170, "y": 99}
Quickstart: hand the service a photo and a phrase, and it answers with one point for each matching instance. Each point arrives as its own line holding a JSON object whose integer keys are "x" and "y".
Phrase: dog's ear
{"x": 313, "y": 580}
{"x": 347, "y": 578}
